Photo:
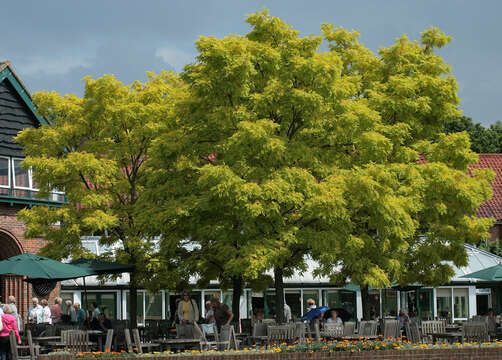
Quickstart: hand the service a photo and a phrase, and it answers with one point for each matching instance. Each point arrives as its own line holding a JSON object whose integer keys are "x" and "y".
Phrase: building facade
{"x": 17, "y": 188}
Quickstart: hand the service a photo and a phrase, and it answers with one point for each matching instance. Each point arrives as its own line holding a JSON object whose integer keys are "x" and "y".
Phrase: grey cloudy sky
{"x": 52, "y": 44}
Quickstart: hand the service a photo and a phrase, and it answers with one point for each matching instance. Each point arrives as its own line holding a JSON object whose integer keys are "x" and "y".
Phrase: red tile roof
{"x": 493, "y": 207}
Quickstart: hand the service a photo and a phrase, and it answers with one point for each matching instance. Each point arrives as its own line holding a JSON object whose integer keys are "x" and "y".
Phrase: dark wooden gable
{"x": 15, "y": 116}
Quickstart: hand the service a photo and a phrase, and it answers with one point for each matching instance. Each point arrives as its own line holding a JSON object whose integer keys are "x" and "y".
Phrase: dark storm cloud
{"x": 53, "y": 44}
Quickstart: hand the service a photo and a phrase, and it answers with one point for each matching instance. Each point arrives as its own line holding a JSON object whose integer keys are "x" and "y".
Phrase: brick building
{"x": 17, "y": 188}
{"x": 493, "y": 207}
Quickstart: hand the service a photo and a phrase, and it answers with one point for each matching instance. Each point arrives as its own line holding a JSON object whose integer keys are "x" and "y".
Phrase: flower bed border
{"x": 436, "y": 354}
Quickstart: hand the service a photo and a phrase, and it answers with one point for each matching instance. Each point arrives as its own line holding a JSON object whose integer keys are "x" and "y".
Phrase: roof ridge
{"x": 472, "y": 247}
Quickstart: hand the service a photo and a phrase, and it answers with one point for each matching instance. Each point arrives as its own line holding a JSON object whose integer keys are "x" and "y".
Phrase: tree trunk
{"x": 365, "y": 296}
{"x": 279, "y": 295}
{"x": 236, "y": 297}
{"x": 133, "y": 298}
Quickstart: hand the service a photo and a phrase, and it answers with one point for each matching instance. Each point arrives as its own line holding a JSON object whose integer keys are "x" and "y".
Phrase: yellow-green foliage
{"x": 288, "y": 149}
{"x": 96, "y": 150}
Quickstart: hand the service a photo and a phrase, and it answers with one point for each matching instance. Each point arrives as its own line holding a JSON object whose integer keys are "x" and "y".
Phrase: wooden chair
{"x": 278, "y": 334}
{"x": 14, "y": 347}
{"x": 492, "y": 326}
{"x": 332, "y": 330}
{"x": 109, "y": 339}
{"x": 391, "y": 329}
{"x": 368, "y": 328}
{"x": 223, "y": 340}
{"x": 227, "y": 335}
{"x": 184, "y": 331}
{"x": 475, "y": 331}
{"x": 260, "y": 333}
{"x": 301, "y": 331}
{"x": 198, "y": 333}
{"x": 413, "y": 332}
{"x": 349, "y": 328}
{"x": 430, "y": 327}
{"x": 140, "y": 345}
{"x": 78, "y": 341}
{"x": 127, "y": 335}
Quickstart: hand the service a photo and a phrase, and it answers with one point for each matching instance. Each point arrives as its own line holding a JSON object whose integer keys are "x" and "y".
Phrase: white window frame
{"x": 9, "y": 172}
{"x": 30, "y": 176}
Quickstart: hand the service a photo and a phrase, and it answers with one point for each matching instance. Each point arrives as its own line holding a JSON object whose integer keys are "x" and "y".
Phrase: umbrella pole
{"x": 85, "y": 295}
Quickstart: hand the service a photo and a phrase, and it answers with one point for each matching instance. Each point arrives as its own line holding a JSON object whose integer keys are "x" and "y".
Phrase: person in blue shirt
{"x": 404, "y": 319}
{"x": 80, "y": 314}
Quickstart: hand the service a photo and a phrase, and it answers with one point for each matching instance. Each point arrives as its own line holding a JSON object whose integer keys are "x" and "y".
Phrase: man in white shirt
{"x": 287, "y": 312}
{"x": 36, "y": 312}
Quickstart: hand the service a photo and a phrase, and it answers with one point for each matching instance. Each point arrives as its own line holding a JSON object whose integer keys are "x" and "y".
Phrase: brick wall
{"x": 495, "y": 232}
{"x": 436, "y": 354}
{"x": 13, "y": 242}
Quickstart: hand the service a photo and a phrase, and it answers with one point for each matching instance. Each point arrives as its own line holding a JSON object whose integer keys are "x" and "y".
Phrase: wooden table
{"x": 450, "y": 336}
{"x": 40, "y": 339}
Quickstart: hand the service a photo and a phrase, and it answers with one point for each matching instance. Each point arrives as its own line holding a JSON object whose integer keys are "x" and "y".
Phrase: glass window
{"x": 270, "y": 306}
{"x": 227, "y": 299}
{"x": 310, "y": 294}
{"x": 443, "y": 303}
{"x": 374, "y": 303}
{"x": 389, "y": 302}
{"x": 331, "y": 298}
{"x": 153, "y": 306}
{"x": 140, "y": 317}
{"x": 344, "y": 299}
{"x": 4, "y": 172}
{"x": 425, "y": 303}
{"x": 107, "y": 302}
{"x": 294, "y": 300}
{"x": 348, "y": 302}
{"x": 460, "y": 303}
{"x": 196, "y": 296}
{"x": 92, "y": 246}
{"x": 21, "y": 176}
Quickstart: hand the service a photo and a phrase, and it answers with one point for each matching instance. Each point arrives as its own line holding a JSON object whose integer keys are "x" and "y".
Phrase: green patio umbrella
{"x": 38, "y": 268}
{"x": 493, "y": 273}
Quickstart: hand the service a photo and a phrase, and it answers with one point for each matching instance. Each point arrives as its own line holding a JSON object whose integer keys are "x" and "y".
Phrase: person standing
{"x": 9, "y": 323}
{"x": 71, "y": 312}
{"x": 56, "y": 311}
{"x": 95, "y": 310}
{"x": 188, "y": 312}
{"x": 46, "y": 312}
{"x": 209, "y": 313}
{"x": 79, "y": 314}
{"x": 222, "y": 314}
{"x": 287, "y": 312}
{"x": 36, "y": 312}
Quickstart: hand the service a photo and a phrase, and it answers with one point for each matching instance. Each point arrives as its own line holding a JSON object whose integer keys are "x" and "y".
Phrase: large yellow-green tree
{"x": 289, "y": 150}
{"x": 97, "y": 150}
